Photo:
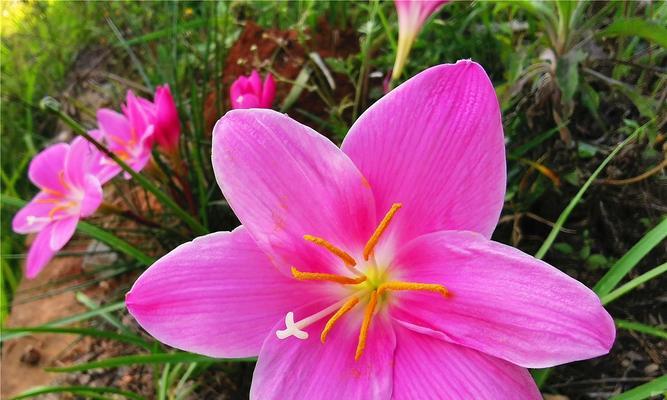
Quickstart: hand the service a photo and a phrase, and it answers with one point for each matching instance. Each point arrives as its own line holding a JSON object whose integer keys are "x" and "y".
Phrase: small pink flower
{"x": 129, "y": 135}
{"x": 368, "y": 272}
{"x": 412, "y": 14}
{"x": 249, "y": 92}
{"x": 167, "y": 123}
{"x": 69, "y": 191}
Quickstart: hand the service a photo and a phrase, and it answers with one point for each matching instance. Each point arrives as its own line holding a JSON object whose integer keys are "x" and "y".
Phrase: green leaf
{"x": 69, "y": 320}
{"x": 131, "y": 339}
{"x": 80, "y": 390}
{"x": 648, "y": 30}
{"x": 637, "y": 327}
{"x": 160, "y": 358}
{"x": 656, "y": 387}
{"x": 626, "y": 263}
{"x": 641, "y": 279}
{"x": 567, "y": 73}
{"x": 97, "y": 233}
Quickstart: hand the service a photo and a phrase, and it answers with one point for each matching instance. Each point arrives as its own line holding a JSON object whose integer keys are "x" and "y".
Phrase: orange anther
{"x": 347, "y": 259}
{"x": 363, "y": 332}
{"x": 318, "y": 276}
{"x": 330, "y": 323}
{"x": 370, "y": 245}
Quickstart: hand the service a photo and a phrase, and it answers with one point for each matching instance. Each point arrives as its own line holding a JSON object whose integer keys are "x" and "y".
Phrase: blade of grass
{"x": 50, "y": 104}
{"x": 630, "y": 259}
{"x": 98, "y": 333}
{"x": 128, "y": 49}
{"x": 80, "y": 390}
{"x": 623, "y": 289}
{"x": 160, "y": 358}
{"x": 656, "y": 387}
{"x": 577, "y": 198}
{"x": 88, "y": 302}
{"x": 69, "y": 320}
{"x": 642, "y": 328}
{"x": 97, "y": 233}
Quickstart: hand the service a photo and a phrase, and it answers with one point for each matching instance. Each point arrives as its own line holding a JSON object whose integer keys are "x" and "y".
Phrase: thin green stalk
{"x": 577, "y": 198}
{"x": 637, "y": 327}
{"x": 52, "y": 105}
{"x": 641, "y": 279}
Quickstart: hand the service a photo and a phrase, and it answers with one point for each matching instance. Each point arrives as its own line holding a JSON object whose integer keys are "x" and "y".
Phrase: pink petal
{"x": 255, "y": 82}
{"x": 62, "y": 231}
{"x": 268, "y": 92}
{"x": 428, "y": 367}
{"x": 141, "y": 114}
{"x": 92, "y": 197}
{"x": 284, "y": 180}
{"x": 78, "y": 162}
{"x": 100, "y": 166}
{"x": 34, "y": 216}
{"x": 45, "y": 168}
{"x": 435, "y": 144}
{"x": 503, "y": 302}
{"x": 307, "y": 369}
{"x": 115, "y": 126}
{"x": 244, "y": 100}
{"x": 168, "y": 125}
{"x": 218, "y": 295}
{"x": 40, "y": 253}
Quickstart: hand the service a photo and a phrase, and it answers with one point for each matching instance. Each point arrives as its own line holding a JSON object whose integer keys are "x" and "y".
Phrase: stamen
{"x": 330, "y": 323}
{"x": 398, "y": 285}
{"x": 61, "y": 179}
{"x": 53, "y": 192}
{"x": 61, "y": 207}
{"x": 363, "y": 333}
{"x": 347, "y": 259}
{"x": 370, "y": 245}
{"x": 318, "y": 276}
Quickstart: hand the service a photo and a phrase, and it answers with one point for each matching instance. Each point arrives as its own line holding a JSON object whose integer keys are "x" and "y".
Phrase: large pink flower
{"x": 129, "y": 135}
{"x": 368, "y": 273}
{"x": 412, "y": 14}
{"x": 250, "y": 92}
{"x": 70, "y": 189}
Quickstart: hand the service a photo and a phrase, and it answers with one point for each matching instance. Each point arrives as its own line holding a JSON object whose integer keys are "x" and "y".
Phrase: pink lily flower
{"x": 249, "y": 92}
{"x": 412, "y": 14}
{"x": 367, "y": 272}
{"x": 167, "y": 123}
{"x": 129, "y": 135}
{"x": 69, "y": 191}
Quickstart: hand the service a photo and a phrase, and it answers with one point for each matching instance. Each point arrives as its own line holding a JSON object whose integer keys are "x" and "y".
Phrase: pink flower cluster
{"x": 70, "y": 175}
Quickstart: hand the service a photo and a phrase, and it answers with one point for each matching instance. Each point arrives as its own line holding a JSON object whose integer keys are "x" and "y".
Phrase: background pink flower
{"x": 68, "y": 192}
{"x": 368, "y": 272}
{"x": 249, "y": 92}
{"x": 167, "y": 123}
{"x": 412, "y": 14}
{"x": 129, "y": 135}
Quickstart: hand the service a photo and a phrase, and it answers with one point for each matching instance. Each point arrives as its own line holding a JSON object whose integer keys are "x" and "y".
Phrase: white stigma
{"x": 291, "y": 329}
{"x": 294, "y": 328}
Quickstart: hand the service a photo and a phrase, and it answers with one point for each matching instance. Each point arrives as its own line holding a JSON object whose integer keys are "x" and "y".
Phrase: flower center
{"x": 371, "y": 286}
{"x": 63, "y": 200}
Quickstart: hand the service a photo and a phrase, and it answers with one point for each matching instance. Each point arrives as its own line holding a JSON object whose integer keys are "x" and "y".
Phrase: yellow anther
{"x": 398, "y": 285}
{"x": 370, "y": 245}
{"x": 347, "y": 259}
{"x": 61, "y": 207}
{"x": 363, "y": 332}
{"x": 341, "y": 311}
{"x": 318, "y": 276}
{"x": 53, "y": 192}
{"x": 61, "y": 179}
